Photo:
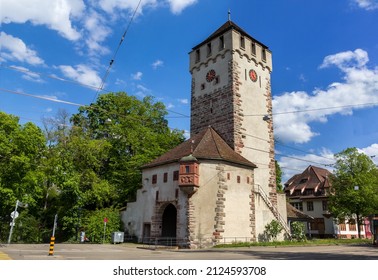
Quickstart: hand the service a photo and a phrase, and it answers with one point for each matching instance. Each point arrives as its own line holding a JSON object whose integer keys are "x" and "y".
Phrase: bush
{"x": 273, "y": 229}
{"x": 298, "y": 231}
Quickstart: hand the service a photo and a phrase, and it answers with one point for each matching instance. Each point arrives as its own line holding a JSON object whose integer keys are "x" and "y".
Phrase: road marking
{"x": 4, "y": 256}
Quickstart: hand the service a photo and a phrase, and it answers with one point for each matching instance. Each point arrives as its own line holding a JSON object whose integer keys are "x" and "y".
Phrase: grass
{"x": 311, "y": 242}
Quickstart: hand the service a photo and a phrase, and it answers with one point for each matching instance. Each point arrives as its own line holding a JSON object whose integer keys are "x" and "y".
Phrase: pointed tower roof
{"x": 228, "y": 25}
{"x": 205, "y": 145}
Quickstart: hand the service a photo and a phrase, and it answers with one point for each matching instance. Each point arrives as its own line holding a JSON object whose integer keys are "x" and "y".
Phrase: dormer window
{"x": 208, "y": 49}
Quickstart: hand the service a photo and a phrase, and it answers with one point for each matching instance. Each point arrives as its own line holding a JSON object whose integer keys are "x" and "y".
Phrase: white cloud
{"x": 55, "y": 14}
{"x": 371, "y": 151}
{"x": 157, "y": 63}
{"x": 97, "y": 29}
{"x": 29, "y": 75}
{"x": 141, "y": 91}
{"x": 184, "y": 101}
{"x": 177, "y": 6}
{"x": 345, "y": 60}
{"x": 367, "y": 4}
{"x": 82, "y": 74}
{"x": 169, "y": 106}
{"x": 359, "y": 86}
{"x": 15, "y": 49}
{"x": 293, "y": 164}
{"x": 137, "y": 76}
{"x": 110, "y": 5}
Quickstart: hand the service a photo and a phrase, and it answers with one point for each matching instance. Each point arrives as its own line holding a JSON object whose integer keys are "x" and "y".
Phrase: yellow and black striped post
{"x": 52, "y": 242}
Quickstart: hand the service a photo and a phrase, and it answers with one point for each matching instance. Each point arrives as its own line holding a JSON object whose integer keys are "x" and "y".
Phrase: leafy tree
{"x": 93, "y": 224}
{"x": 278, "y": 178}
{"x": 354, "y": 190}
{"x": 137, "y": 132}
{"x": 21, "y": 153}
{"x": 273, "y": 229}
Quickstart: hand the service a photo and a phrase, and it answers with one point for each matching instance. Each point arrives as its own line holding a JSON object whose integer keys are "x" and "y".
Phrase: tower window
{"x": 263, "y": 54}
{"x": 216, "y": 80}
{"x": 187, "y": 169}
{"x": 198, "y": 55}
{"x": 253, "y": 47}
{"x": 165, "y": 177}
{"x": 203, "y": 86}
{"x": 242, "y": 42}
{"x": 221, "y": 43}
{"x": 154, "y": 179}
{"x": 238, "y": 179}
{"x": 208, "y": 49}
{"x": 175, "y": 175}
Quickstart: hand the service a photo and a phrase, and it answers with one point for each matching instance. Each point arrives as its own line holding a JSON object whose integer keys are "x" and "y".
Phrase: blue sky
{"x": 55, "y": 53}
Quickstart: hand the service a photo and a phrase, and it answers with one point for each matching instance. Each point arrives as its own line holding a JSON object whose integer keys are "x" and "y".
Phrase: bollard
{"x": 52, "y": 241}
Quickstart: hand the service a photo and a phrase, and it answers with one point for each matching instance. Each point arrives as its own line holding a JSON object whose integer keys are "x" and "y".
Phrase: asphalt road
{"x": 127, "y": 251}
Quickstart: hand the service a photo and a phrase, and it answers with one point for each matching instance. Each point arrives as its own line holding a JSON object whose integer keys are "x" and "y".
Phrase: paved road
{"x": 128, "y": 251}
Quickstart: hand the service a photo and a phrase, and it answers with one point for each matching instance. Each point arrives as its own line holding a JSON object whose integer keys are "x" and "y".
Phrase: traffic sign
{"x": 14, "y": 215}
{"x": 12, "y": 224}
{"x": 105, "y": 220}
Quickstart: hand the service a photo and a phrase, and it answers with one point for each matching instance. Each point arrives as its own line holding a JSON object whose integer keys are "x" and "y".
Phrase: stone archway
{"x": 169, "y": 221}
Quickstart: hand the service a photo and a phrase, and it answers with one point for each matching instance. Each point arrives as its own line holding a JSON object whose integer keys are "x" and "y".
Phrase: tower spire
{"x": 229, "y": 15}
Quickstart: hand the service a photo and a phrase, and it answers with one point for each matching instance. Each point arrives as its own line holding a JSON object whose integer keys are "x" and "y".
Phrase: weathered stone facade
{"x": 225, "y": 188}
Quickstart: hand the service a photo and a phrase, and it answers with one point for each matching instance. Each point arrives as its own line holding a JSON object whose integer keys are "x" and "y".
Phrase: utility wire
{"x": 115, "y": 53}
{"x": 41, "y": 97}
{"x": 315, "y": 109}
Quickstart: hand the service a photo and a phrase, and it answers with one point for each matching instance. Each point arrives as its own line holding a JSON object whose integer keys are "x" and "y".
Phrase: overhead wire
{"x": 111, "y": 62}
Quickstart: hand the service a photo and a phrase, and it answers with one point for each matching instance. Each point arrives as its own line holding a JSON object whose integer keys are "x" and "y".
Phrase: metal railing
{"x": 274, "y": 209}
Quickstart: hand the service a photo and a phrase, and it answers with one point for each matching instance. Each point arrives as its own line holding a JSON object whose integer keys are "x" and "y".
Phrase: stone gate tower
{"x": 231, "y": 92}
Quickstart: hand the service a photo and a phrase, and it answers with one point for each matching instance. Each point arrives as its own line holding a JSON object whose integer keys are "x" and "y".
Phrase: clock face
{"x": 210, "y": 75}
{"x": 253, "y": 75}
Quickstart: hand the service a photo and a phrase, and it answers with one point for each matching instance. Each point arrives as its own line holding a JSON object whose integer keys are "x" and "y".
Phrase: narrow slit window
{"x": 242, "y": 42}
{"x": 221, "y": 43}
{"x": 253, "y": 47}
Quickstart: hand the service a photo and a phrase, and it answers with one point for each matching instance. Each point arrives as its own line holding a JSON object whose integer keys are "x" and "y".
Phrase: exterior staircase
{"x": 273, "y": 208}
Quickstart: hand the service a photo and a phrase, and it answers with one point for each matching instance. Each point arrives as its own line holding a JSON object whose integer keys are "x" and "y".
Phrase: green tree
{"x": 279, "y": 186}
{"x": 137, "y": 132}
{"x": 21, "y": 152}
{"x": 354, "y": 189}
{"x": 94, "y": 227}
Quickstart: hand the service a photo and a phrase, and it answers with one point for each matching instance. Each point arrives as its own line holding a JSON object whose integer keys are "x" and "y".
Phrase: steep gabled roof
{"x": 205, "y": 145}
{"x": 312, "y": 178}
{"x": 228, "y": 25}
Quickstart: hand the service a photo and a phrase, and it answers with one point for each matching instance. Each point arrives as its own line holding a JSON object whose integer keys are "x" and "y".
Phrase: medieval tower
{"x": 220, "y": 184}
{"x": 231, "y": 92}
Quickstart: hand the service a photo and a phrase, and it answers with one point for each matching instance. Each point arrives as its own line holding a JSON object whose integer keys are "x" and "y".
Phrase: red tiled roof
{"x": 207, "y": 144}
